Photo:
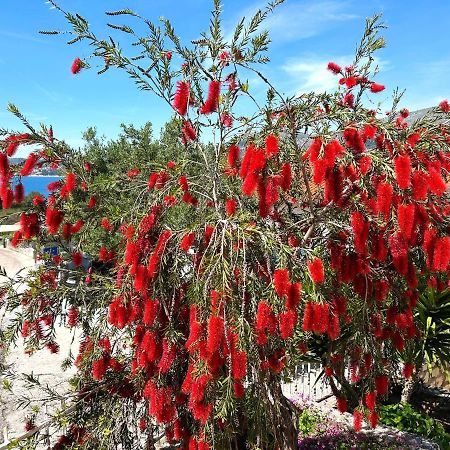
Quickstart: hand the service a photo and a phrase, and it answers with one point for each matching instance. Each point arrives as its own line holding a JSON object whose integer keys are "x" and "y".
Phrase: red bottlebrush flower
{"x": 133, "y": 173}
{"x": 319, "y": 170}
{"x": 406, "y": 220}
{"x": 375, "y": 88}
{"x": 151, "y": 309}
{"x": 408, "y": 370}
{"x": 308, "y": 317}
{"x": 87, "y": 167}
{"x": 77, "y": 226}
{"x": 105, "y": 224}
{"x": 271, "y": 145}
{"x": 53, "y": 219}
{"x": 373, "y": 419}
{"x": 444, "y": 106}
{"x": 348, "y": 100}
{"x": 238, "y": 365}
{"x": 77, "y": 258}
{"x": 419, "y": 185}
{"x": 287, "y": 322}
{"x": 25, "y": 331}
{"x": 328, "y": 371}
{"x": 441, "y": 254}
{"x": 30, "y": 164}
{"x": 321, "y": 315}
{"x": 286, "y": 177}
{"x": 316, "y": 270}
{"x": 98, "y": 369}
{"x": 334, "y": 329}
{"x": 239, "y": 390}
{"x": 313, "y": 151}
{"x": 202, "y": 412}
{"x": 77, "y": 65}
{"x": 187, "y": 241}
{"x": 370, "y": 400}
{"x": 341, "y": 404}
{"x": 70, "y": 182}
{"x": 250, "y": 183}
{"x": 182, "y": 181}
{"x": 215, "y": 334}
{"x": 436, "y": 183}
{"x": 233, "y": 155}
{"x": 140, "y": 279}
{"x": 92, "y": 202}
{"x": 230, "y": 206}
{"x": 4, "y": 165}
{"x": 72, "y": 317}
{"x": 360, "y": 229}
{"x": 226, "y": 119}
{"x": 335, "y": 68}
{"x": 188, "y": 131}
{"x": 281, "y": 281}
{"x": 17, "y": 238}
{"x": 349, "y": 81}
{"x": 293, "y": 296}
{"x": 19, "y": 193}
{"x": 181, "y": 99}
{"x": 365, "y": 162}
{"x": 384, "y": 199}
{"x": 382, "y": 384}
{"x": 354, "y": 140}
{"x": 168, "y": 356}
{"x": 403, "y": 171}
{"x": 265, "y": 318}
{"x": 212, "y": 101}
{"x": 38, "y": 200}
{"x": 357, "y": 420}
{"x": 369, "y": 131}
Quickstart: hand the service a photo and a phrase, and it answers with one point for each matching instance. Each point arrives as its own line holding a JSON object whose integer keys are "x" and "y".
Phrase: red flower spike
{"x": 271, "y": 146}
{"x": 230, "y": 206}
{"x": 181, "y": 99}
{"x": 408, "y": 370}
{"x": 335, "y": 68}
{"x": 308, "y": 317}
{"x": 281, "y": 282}
{"x": 341, "y": 404}
{"x": 370, "y": 400}
{"x": 382, "y": 384}
{"x": 357, "y": 420}
{"x": 402, "y": 165}
{"x": 212, "y": 101}
{"x": 233, "y": 155}
{"x": 29, "y": 165}
{"x": 316, "y": 270}
{"x": 187, "y": 241}
{"x": 375, "y": 88}
{"x": 77, "y": 65}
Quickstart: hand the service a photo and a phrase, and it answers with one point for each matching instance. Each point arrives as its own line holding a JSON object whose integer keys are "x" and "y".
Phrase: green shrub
{"x": 405, "y": 418}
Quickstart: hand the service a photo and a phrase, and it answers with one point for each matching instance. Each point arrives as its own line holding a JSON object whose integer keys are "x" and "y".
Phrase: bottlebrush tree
{"x": 301, "y": 230}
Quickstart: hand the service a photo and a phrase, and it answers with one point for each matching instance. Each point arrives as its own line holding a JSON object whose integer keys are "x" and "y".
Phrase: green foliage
{"x": 433, "y": 320}
{"x": 308, "y": 422}
{"x": 405, "y": 418}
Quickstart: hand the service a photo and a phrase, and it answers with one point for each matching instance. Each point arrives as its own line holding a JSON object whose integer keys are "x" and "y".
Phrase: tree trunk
{"x": 408, "y": 390}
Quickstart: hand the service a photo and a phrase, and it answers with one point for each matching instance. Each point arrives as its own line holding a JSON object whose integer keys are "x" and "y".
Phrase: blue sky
{"x": 306, "y": 34}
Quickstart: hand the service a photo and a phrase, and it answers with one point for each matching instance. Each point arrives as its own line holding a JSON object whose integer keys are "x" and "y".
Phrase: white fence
{"x": 306, "y": 382}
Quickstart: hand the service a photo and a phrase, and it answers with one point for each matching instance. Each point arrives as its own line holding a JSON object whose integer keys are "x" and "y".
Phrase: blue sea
{"x": 37, "y": 184}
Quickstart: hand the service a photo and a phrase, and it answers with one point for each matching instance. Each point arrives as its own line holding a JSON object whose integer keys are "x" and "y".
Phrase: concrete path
{"x": 42, "y": 364}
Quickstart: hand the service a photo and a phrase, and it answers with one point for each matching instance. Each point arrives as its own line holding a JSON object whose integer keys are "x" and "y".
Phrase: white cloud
{"x": 301, "y": 19}
{"x": 310, "y": 73}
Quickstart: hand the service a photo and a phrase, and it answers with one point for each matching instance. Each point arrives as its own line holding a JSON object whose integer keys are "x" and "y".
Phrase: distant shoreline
{"x": 44, "y": 176}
